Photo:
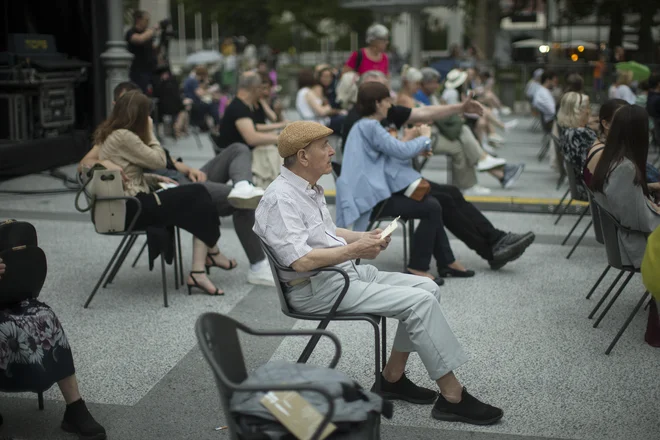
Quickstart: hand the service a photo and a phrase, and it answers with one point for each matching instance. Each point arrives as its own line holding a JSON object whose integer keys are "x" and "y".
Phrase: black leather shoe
{"x": 78, "y": 420}
{"x": 510, "y": 248}
{"x": 469, "y": 410}
{"x": 446, "y": 272}
{"x": 405, "y": 389}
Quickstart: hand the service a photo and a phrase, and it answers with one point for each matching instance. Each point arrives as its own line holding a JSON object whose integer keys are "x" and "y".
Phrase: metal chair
{"x": 611, "y": 228}
{"x": 217, "y": 336}
{"x": 547, "y": 139}
{"x": 380, "y": 335}
{"x": 575, "y": 195}
{"x": 129, "y": 237}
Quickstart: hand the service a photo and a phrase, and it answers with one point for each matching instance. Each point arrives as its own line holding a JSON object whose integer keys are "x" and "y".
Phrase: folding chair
{"x": 380, "y": 337}
{"x": 610, "y": 228}
{"x": 217, "y": 336}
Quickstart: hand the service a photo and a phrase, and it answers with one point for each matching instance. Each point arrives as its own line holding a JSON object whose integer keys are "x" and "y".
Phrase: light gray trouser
{"x": 465, "y": 153}
{"x": 414, "y": 301}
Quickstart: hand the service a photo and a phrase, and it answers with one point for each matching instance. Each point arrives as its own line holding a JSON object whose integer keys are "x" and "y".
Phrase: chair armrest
{"x": 279, "y": 387}
{"x": 342, "y": 294}
{"x": 315, "y": 332}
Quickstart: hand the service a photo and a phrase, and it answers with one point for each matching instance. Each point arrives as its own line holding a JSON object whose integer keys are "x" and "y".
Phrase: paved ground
{"x": 532, "y": 349}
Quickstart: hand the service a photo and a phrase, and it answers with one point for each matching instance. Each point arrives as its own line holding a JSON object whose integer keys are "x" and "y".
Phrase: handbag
{"x": 107, "y": 215}
{"x": 26, "y": 263}
{"x": 418, "y": 189}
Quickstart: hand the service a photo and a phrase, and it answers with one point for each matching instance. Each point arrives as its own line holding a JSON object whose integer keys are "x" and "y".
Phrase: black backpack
{"x": 25, "y": 263}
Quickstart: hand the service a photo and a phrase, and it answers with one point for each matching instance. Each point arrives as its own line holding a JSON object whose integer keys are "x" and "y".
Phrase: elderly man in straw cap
{"x": 293, "y": 220}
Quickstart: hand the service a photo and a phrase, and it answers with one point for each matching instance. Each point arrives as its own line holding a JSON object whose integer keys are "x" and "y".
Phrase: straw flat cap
{"x": 298, "y": 135}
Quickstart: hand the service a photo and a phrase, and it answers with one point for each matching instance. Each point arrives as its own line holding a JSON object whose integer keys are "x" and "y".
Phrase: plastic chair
{"x": 217, "y": 336}
{"x": 611, "y": 229}
{"x": 380, "y": 335}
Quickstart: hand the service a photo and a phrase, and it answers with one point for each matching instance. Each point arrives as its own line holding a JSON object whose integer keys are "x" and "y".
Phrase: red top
{"x": 367, "y": 64}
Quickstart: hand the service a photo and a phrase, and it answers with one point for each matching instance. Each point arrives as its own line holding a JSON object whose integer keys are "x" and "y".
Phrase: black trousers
{"x": 187, "y": 206}
{"x": 443, "y": 207}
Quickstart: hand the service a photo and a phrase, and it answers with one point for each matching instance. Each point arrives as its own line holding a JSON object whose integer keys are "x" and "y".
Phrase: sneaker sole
{"x": 481, "y": 170}
{"x": 392, "y": 396}
{"x": 514, "y": 178}
{"x": 239, "y": 203}
{"x": 70, "y": 429}
{"x": 445, "y": 417}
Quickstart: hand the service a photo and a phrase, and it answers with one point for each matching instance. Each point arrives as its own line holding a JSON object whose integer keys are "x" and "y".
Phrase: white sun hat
{"x": 455, "y": 78}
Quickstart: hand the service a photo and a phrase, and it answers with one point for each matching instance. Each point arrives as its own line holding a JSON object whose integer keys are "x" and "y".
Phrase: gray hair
{"x": 377, "y": 32}
{"x": 249, "y": 80}
{"x": 430, "y": 74}
{"x": 290, "y": 161}
{"x": 372, "y": 74}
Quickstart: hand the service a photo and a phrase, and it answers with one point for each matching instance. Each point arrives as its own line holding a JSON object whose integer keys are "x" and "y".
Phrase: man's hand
{"x": 472, "y": 106}
{"x": 376, "y": 234}
{"x": 197, "y": 175}
{"x": 2, "y": 268}
{"x": 368, "y": 247}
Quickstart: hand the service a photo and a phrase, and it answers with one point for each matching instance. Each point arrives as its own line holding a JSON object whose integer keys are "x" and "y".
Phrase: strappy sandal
{"x": 232, "y": 263}
{"x": 195, "y": 285}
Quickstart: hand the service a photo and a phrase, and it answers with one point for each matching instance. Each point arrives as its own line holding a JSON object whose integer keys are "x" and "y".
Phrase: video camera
{"x": 166, "y": 28}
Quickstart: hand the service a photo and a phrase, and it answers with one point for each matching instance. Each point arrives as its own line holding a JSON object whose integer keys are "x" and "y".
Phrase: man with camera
{"x": 140, "y": 41}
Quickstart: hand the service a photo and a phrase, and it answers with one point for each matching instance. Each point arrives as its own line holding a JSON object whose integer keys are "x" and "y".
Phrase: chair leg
{"x": 564, "y": 210}
{"x": 544, "y": 149}
{"x": 405, "y": 246}
{"x": 120, "y": 261}
{"x": 584, "y": 211}
{"x": 377, "y": 354}
{"x": 114, "y": 268}
{"x": 411, "y": 239}
{"x": 40, "y": 399}
{"x": 383, "y": 340}
{"x": 105, "y": 271}
{"x": 144, "y": 246}
{"x": 560, "y": 204}
{"x": 175, "y": 265}
{"x": 607, "y": 293}
{"x": 613, "y": 300}
{"x": 178, "y": 245}
{"x": 198, "y": 140}
{"x": 162, "y": 269}
{"x": 579, "y": 240}
{"x": 311, "y": 345}
{"x": 627, "y": 323}
{"x": 593, "y": 289}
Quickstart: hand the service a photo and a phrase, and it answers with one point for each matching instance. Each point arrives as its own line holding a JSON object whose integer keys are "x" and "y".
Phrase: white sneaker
{"x": 506, "y": 111}
{"x": 489, "y": 163}
{"x": 477, "y": 190}
{"x": 261, "y": 277}
{"x": 245, "y": 196}
{"x": 510, "y": 125}
{"x": 496, "y": 138}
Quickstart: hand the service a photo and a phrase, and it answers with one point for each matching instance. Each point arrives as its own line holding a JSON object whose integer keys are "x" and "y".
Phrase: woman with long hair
{"x": 619, "y": 181}
{"x": 311, "y": 105}
{"x": 605, "y": 116}
{"x": 126, "y": 139}
{"x": 376, "y": 169}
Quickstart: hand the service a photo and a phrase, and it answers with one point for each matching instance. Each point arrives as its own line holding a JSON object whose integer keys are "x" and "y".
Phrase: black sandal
{"x": 232, "y": 263}
{"x": 190, "y": 286}
{"x": 446, "y": 272}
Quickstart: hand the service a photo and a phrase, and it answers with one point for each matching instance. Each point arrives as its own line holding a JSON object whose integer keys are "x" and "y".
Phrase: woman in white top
{"x": 311, "y": 104}
{"x": 623, "y": 91}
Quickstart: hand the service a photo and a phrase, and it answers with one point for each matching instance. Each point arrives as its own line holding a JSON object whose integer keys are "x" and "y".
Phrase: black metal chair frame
{"x": 218, "y": 340}
{"x": 129, "y": 237}
{"x": 611, "y": 227}
{"x": 380, "y": 335}
{"x": 573, "y": 188}
{"x": 547, "y": 139}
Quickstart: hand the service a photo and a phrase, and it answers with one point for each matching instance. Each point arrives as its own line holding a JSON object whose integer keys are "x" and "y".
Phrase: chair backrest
{"x": 610, "y": 229}
{"x": 572, "y": 180}
{"x": 276, "y": 268}
{"x": 217, "y": 336}
{"x": 595, "y": 216}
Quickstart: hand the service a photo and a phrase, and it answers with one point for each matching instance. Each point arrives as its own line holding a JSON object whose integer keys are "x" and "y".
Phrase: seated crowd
{"x": 382, "y": 137}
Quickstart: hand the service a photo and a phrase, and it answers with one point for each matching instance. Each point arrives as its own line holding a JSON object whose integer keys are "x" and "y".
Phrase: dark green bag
{"x": 450, "y": 127}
